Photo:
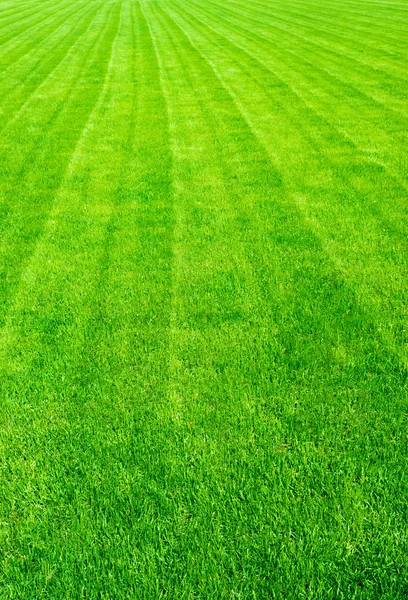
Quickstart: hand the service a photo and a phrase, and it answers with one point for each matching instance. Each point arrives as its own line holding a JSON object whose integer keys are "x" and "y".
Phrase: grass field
{"x": 203, "y": 299}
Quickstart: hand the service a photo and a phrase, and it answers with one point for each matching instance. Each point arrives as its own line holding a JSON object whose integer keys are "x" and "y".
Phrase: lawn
{"x": 203, "y": 299}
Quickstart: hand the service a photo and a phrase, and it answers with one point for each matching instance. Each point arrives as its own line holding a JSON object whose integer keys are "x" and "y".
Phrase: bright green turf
{"x": 203, "y": 299}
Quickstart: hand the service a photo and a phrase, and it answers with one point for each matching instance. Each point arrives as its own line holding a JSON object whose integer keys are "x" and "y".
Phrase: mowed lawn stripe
{"x": 359, "y": 15}
{"x": 19, "y": 16}
{"x": 310, "y": 22}
{"x": 55, "y": 117}
{"x": 202, "y": 340}
{"x": 26, "y": 43}
{"x": 34, "y": 69}
{"x": 91, "y": 314}
{"x": 341, "y": 90}
{"x": 37, "y": 18}
{"x": 371, "y": 81}
{"x": 230, "y": 70}
{"x": 340, "y": 198}
{"x": 207, "y": 249}
{"x": 202, "y": 346}
{"x": 318, "y": 87}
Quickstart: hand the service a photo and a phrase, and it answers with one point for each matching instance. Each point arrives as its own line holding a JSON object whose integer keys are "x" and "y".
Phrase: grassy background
{"x": 203, "y": 299}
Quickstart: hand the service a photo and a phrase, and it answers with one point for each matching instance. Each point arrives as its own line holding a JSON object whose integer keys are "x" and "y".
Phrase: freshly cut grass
{"x": 203, "y": 299}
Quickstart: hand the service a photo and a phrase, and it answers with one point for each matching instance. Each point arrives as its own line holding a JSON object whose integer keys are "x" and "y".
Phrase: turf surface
{"x": 203, "y": 299}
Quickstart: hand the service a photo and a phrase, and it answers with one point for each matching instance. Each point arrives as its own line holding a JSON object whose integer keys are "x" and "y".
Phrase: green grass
{"x": 203, "y": 299}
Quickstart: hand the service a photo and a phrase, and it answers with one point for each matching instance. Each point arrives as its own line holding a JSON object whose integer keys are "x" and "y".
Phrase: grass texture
{"x": 203, "y": 299}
